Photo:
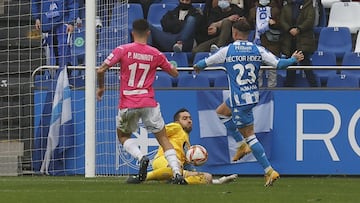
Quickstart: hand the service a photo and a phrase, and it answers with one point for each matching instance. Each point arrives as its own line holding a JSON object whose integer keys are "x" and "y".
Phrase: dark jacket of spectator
{"x": 305, "y": 40}
{"x": 170, "y": 21}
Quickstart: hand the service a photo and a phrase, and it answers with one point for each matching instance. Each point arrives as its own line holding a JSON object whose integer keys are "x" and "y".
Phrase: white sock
{"x": 132, "y": 148}
{"x": 224, "y": 179}
{"x": 173, "y": 161}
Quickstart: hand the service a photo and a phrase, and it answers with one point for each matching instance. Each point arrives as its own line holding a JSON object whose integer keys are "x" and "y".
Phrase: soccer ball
{"x": 196, "y": 155}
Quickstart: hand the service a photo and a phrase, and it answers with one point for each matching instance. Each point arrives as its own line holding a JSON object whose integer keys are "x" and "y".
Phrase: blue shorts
{"x": 242, "y": 115}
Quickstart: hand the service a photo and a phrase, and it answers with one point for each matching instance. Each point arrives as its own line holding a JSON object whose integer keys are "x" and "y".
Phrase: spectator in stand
{"x": 178, "y": 27}
{"x": 264, "y": 18}
{"x": 248, "y": 4}
{"x": 55, "y": 19}
{"x": 219, "y": 23}
{"x": 297, "y": 22}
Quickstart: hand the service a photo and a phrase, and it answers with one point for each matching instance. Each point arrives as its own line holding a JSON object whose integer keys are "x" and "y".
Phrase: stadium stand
{"x": 192, "y": 80}
{"x": 301, "y": 81}
{"x": 321, "y": 58}
{"x": 329, "y": 3}
{"x": 211, "y": 74}
{"x": 112, "y": 78}
{"x": 280, "y": 80}
{"x": 157, "y": 11}
{"x": 342, "y": 80}
{"x": 162, "y": 80}
{"x": 77, "y": 80}
{"x": 221, "y": 81}
{"x": 106, "y": 43}
{"x": 180, "y": 58}
{"x": 44, "y": 81}
{"x": 351, "y": 59}
{"x": 357, "y": 43}
{"x": 200, "y": 55}
{"x": 345, "y": 14}
{"x": 335, "y": 39}
{"x": 134, "y": 12}
{"x": 322, "y": 21}
{"x": 117, "y": 11}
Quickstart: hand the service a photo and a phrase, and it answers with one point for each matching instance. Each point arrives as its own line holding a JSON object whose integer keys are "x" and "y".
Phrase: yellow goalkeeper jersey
{"x": 178, "y": 138}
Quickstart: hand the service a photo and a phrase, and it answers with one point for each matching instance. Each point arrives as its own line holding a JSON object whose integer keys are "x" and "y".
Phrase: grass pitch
{"x": 114, "y": 189}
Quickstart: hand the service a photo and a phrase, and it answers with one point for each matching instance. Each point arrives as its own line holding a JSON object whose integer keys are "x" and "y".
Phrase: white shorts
{"x": 127, "y": 120}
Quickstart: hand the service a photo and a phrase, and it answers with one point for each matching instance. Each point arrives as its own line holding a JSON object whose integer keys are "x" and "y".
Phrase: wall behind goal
{"x": 310, "y": 132}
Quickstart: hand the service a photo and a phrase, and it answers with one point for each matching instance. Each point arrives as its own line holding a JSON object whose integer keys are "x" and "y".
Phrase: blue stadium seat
{"x": 118, "y": 18}
{"x": 281, "y": 72}
{"x": 343, "y": 80}
{"x": 335, "y": 39}
{"x": 301, "y": 80}
{"x": 162, "y": 79}
{"x": 213, "y": 74}
{"x": 109, "y": 38}
{"x": 280, "y": 80}
{"x": 323, "y": 58}
{"x": 180, "y": 58}
{"x": 157, "y": 11}
{"x": 192, "y": 80}
{"x": 221, "y": 81}
{"x": 45, "y": 81}
{"x": 77, "y": 78}
{"x": 351, "y": 59}
{"x": 200, "y": 55}
{"x": 134, "y": 12}
{"x": 112, "y": 78}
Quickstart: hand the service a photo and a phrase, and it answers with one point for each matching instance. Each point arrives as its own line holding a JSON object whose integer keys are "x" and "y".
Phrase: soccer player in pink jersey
{"x": 139, "y": 62}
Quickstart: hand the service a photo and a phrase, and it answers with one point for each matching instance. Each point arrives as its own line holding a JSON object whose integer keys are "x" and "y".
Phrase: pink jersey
{"x": 138, "y": 63}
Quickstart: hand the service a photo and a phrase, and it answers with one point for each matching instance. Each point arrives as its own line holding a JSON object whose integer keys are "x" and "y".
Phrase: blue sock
{"x": 258, "y": 151}
{"x": 231, "y": 129}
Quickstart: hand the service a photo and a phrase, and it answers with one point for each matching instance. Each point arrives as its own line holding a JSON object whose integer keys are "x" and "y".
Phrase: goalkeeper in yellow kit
{"x": 178, "y": 133}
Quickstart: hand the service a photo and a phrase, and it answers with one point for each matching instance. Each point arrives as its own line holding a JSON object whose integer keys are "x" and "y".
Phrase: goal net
{"x": 42, "y": 84}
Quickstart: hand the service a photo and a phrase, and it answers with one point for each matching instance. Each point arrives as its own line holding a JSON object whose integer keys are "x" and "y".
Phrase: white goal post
{"x": 90, "y": 59}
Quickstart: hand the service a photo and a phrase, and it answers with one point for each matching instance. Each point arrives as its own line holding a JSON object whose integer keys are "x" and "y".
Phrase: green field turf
{"x": 245, "y": 189}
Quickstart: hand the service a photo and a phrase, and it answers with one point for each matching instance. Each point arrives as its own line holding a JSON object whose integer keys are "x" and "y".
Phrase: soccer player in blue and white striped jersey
{"x": 242, "y": 60}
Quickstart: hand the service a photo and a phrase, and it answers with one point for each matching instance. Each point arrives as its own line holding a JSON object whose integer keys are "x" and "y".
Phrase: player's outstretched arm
{"x": 200, "y": 65}
{"x": 298, "y": 55}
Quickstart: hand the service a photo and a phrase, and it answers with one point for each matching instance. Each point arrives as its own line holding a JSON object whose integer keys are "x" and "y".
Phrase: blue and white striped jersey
{"x": 242, "y": 60}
